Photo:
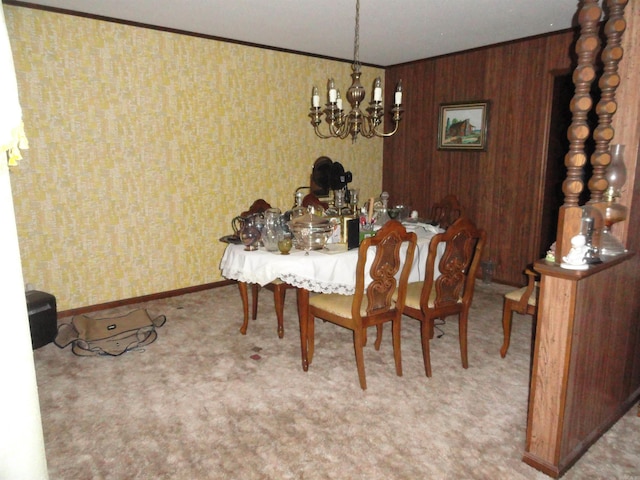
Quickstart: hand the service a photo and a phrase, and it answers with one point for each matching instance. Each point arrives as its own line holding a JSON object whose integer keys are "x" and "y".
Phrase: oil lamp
{"x": 614, "y": 212}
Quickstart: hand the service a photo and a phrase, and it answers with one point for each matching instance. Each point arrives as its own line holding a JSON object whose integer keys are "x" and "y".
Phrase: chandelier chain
{"x": 356, "y": 40}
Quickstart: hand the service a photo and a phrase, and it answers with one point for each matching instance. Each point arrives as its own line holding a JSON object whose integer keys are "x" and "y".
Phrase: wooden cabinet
{"x": 586, "y": 364}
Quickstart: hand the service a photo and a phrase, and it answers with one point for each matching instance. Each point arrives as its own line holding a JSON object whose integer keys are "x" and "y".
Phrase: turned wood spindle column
{"x": 607, "y": 106}
{"x": 587, "y": 47}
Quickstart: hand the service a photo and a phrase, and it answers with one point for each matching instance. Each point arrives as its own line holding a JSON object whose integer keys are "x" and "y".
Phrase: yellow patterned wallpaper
{"x": 144, "y": 145}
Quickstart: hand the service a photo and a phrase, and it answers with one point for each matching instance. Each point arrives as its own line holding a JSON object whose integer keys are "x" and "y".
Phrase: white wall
{"x": 22, "y": 454}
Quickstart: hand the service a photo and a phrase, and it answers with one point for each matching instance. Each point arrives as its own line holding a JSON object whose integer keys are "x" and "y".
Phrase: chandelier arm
{"x": 396, "y": 112}
{"x": 319, "y": 133}
{"x": 372, "y": 120}
{"x": 370, "y": 123}
{"x": 345, "y": 133}
{"x": 339, "y": 129}
{"x": 334, "y": 132}
{"x": 389, "y": 134}
{"x": 367, "y": 127}
{"x": 316, "y": 121}
{"x": 370, "y": 134}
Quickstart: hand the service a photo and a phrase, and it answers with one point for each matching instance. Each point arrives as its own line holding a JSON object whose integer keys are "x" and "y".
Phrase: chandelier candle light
{"x": 356, "y": 122}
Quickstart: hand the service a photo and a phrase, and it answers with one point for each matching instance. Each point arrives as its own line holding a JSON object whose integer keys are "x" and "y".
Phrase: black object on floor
{"x": 43, "y": 317}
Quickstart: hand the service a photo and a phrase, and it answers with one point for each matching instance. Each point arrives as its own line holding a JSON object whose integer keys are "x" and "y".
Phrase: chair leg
{"x": 311, "y": 327}
{"x": 357, "y": 345}
{"x": 254, "y": 296}
{"x": 425, "y": 336}
{"x": 378, "y": 337}
{"x": 507, "y": 318}
{"x": 462, "y": 329}
{"x": 432, "y": 329}
{"x": 279, "y": 292}
{"x": 397, "y": 352}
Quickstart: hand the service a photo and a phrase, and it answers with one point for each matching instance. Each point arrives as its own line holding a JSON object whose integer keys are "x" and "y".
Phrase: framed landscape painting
{"x": 463, "y": 126}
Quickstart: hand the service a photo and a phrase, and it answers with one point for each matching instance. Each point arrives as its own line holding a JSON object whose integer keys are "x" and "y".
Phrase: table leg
{"x": 242, "y": 286}
{"x": 303, "y": 313}
{"x": 254, "y": 298}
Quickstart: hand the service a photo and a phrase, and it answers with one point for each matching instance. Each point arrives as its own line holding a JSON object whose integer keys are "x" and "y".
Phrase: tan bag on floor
{"x": 109, "y": 336}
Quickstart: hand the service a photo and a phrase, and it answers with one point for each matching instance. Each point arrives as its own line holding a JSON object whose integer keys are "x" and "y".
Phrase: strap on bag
{"x": 109, "y": 336}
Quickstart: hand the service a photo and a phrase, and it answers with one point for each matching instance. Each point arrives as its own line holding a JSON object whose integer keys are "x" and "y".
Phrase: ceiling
{"x": 391, "y": 31}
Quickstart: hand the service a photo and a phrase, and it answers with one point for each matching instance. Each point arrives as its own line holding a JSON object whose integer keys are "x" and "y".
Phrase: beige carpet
{"x": 205, "y": 402}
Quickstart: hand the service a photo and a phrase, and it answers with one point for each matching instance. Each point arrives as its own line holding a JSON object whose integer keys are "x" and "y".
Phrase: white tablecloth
{"x": 326, "y": 271}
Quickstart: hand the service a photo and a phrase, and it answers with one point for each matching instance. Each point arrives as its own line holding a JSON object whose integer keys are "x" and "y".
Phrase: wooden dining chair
{"x": 370, "y": 304}
{"x": 523, "y": 301}
{"x": 258, "y": 206}
{"x": 311, "y": 200}
{"x": 277, "y": 286}
{"x": 451, "y": 293}
{"x": 446, "y": 211}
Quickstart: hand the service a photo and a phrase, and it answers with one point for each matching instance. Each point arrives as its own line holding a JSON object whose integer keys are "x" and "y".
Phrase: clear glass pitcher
{"x": 250, "y": 233}
{"x": 271, "y": 229}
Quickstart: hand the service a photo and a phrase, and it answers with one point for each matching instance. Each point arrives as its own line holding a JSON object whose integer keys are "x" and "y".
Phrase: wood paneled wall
{"x": 501, "y": 188}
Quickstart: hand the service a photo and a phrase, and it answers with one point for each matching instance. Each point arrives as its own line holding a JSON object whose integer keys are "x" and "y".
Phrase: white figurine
{"x": 576, "y": 258}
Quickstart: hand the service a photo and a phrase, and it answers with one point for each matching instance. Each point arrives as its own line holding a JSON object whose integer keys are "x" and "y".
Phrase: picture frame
{"x": 463, "y": 126}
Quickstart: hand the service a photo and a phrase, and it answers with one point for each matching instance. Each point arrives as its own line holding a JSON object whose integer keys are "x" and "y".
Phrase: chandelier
{"x": 355, "y": 122}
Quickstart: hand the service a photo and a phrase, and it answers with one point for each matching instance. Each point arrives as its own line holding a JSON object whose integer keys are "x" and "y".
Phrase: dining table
{"x": 331, "y": 269}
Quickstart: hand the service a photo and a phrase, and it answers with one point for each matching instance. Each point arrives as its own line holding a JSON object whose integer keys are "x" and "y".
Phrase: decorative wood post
{"x": 588, "y": 45}
{"x": 607, "y": 106}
